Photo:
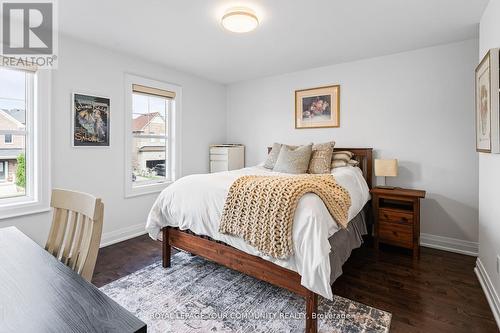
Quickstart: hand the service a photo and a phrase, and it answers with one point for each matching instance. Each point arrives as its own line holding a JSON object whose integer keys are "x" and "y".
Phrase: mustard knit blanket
{"x": 260, "y": 209}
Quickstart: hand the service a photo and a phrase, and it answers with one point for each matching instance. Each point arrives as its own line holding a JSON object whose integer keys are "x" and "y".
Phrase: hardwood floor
{"x": 438, "y": 293}
{"x": 121, "y": 259}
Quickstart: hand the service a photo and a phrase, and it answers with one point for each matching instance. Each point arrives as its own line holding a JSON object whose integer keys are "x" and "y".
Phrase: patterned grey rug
{"x": 195, "y": 295}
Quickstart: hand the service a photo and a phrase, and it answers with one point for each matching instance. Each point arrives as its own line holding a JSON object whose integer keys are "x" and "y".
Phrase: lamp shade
{"x": 386, "y": 168}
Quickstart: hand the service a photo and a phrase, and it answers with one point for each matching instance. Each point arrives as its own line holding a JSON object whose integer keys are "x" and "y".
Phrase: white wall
{"x": 415, "y": 106}
{"x": 489, "y": 180}
{"x": 403, "y": 105}
{"x": 86, "y": 68}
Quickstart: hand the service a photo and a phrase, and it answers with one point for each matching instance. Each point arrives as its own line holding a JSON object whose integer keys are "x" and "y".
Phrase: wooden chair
{"x": 75, "y": 233}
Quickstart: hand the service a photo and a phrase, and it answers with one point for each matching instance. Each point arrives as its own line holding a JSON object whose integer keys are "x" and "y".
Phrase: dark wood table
{"x": 40, "y": 294}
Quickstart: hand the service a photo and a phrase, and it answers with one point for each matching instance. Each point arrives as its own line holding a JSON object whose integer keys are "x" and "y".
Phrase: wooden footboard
{"x": 242, "y": 262}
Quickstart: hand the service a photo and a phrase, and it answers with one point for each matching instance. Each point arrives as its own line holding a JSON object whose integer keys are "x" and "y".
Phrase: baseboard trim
{"x": 122, "y": 234}
{"x": 449, "y": 244}
{"x": 489, "y": 291}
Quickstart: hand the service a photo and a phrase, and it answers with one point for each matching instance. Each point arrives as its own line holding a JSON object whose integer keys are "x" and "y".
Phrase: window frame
{"x": 173, "y": 136}
{"x": 37, "y": 151}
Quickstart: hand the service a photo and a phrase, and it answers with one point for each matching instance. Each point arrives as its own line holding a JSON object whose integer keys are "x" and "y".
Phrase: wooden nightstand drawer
{"x": 396, "y": 234}
{"x": 395, "y": 216}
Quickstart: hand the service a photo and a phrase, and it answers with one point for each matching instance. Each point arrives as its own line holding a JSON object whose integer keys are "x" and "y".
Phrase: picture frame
{"x": 317, "y": 107}
{"x": 90, "y": 121}
{"x": 483, "y": 105}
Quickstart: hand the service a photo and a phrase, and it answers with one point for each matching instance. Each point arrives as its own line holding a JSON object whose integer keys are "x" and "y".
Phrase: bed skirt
{"x": 346, "y": 240}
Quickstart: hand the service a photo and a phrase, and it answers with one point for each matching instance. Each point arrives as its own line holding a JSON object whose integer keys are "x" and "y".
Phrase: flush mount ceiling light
{"x": 240, "y": 20}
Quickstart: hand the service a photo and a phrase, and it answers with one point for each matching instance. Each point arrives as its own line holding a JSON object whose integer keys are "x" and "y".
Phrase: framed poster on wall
{"x": 90, "y": 121}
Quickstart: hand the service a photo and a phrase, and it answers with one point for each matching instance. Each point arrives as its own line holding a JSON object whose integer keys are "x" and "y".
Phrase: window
{"x": 8, "y": 138}
{"x": 16, "y": 102}
{"x": 24, "y": 176}
{"x": 151, "y": 135}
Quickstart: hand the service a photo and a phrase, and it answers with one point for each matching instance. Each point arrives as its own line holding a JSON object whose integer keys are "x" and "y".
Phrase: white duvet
{"x": 196, "y": 202}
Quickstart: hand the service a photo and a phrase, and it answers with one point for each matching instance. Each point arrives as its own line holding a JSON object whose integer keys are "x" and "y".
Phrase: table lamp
{"x": 386, "y": 168}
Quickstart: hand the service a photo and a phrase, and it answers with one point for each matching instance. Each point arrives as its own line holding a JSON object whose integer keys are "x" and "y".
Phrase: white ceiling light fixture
{"x": 240, "y": 20}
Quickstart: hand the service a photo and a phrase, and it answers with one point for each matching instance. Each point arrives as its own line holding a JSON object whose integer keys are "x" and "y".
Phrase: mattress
{"x": 196, "y": 202}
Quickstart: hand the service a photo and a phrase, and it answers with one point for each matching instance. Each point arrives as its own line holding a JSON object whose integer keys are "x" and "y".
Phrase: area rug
{"x": 195, "y": 295}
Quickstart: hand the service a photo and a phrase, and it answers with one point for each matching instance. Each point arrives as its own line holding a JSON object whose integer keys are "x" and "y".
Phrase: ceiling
{"x": 293, "y": 34}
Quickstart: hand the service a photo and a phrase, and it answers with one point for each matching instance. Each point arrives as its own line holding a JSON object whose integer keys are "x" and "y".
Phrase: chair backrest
{"x": 75, "y": 233}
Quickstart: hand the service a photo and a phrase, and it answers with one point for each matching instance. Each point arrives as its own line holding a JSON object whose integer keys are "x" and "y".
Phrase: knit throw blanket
{"x": 260, "y": 209}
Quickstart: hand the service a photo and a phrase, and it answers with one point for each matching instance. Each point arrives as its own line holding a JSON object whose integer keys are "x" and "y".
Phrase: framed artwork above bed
{"x": 317, "y": 107}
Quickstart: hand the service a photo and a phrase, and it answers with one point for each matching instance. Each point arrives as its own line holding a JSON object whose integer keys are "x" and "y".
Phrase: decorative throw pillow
{"x": 342, "y": 155}
{"x": 273, "y": 155}
{"x": 293, "y": 160}
{"x": 353, "y": 163}
{"x": 321, "y": 158}
{"x": 338, "y": 164}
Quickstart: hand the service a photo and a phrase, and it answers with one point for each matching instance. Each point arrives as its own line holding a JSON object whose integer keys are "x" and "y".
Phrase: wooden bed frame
{"x": 257, "y": 267}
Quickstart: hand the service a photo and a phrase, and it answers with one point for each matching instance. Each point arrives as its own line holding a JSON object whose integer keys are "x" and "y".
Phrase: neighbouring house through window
{"x": 24, "y": 140}
{"x": 150, "y": 135}
{"x": 16, "y": 102}
{"x": 151, "y": 161}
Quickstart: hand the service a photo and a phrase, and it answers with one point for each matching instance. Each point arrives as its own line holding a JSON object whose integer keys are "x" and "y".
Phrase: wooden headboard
{"x": 365, "y": 158}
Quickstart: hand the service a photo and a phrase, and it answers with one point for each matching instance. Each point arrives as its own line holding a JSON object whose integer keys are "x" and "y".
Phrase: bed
{"x": 186, "y": 216}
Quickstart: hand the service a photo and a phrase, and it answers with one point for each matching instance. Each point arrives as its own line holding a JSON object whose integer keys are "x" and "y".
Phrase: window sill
{"x": 136, "y": 191}
{"x": 22, "y": 208}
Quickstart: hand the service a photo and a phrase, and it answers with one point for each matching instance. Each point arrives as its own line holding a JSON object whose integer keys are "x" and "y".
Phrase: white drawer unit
{"x": 226, "y": 157}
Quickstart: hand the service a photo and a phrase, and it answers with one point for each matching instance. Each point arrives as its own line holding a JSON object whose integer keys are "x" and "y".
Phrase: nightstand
{"x": 397, "y": 217}
{"x": 226, "y": 157}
